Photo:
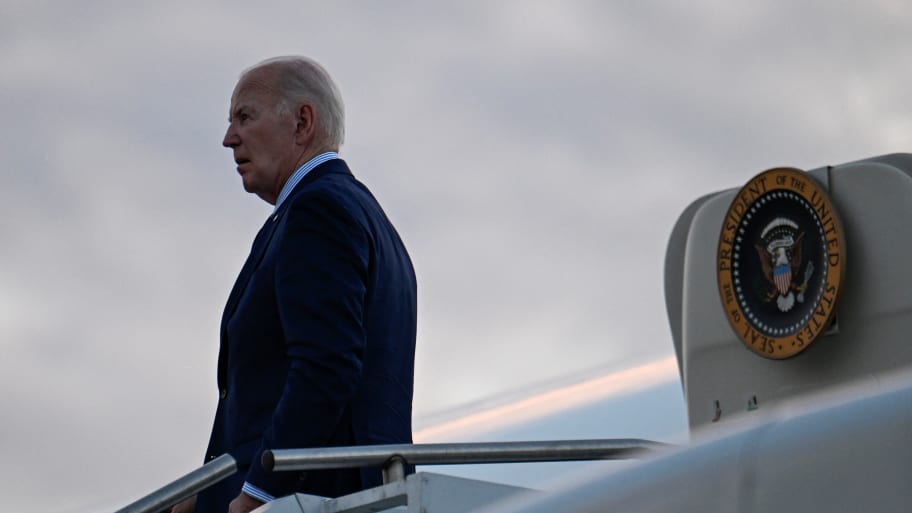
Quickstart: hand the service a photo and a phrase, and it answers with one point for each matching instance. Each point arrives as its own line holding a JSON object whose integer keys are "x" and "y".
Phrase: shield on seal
{"x": 782, "y": 275}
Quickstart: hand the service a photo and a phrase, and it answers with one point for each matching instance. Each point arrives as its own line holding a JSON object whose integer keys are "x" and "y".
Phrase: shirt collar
{"x": 300, "y": 173}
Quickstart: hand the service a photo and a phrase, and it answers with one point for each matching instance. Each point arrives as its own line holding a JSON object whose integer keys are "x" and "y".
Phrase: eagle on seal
{"x": 780, "y": 259}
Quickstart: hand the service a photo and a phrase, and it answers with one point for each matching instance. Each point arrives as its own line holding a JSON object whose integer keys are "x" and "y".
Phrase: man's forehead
{"x": 254, "y": 86}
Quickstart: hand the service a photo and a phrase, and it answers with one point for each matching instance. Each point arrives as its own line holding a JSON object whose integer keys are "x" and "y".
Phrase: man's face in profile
{"x": 261, "y": 136}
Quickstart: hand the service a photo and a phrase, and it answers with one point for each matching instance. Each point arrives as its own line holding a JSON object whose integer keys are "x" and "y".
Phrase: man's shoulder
{"x": 329, "y": 191}
{"x": 330, "y": 178}
{"x": 333, "y": 200}
{"x": 332, "y": 184}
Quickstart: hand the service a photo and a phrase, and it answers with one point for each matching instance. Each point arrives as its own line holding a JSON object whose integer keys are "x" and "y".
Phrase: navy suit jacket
{"x": 317, "y": 340}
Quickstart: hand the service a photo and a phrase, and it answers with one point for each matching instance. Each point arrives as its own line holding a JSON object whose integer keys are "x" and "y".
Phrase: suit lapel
{"x": 260, "y": 244}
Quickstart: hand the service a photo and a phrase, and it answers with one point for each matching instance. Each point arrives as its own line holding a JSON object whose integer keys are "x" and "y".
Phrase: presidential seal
{"x": 780, "y": 262}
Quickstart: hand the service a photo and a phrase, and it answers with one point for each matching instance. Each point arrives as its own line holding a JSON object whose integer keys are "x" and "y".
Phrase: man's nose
{"x": 231, "y": 138}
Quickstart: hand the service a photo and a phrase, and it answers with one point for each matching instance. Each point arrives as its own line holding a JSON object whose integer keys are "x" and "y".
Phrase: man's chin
{"x": 248, "y": 184}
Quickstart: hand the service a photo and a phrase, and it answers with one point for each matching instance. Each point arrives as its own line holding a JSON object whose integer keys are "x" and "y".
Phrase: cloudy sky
{"x": 534, "y": 156}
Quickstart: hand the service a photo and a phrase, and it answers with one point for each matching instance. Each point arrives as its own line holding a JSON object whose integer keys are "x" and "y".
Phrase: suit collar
{"x": 300, "y": 173}
{"x": 334, "y": 166}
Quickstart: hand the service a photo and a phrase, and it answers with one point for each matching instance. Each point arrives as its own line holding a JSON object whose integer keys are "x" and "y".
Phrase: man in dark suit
{"x": 318, "y": 335}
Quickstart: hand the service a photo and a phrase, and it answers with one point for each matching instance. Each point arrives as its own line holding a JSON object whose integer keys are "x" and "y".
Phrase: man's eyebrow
{"x": 237, "y": 110}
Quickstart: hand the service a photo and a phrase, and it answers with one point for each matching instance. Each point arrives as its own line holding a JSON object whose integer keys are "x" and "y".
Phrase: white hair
{"x": 302, "y": 80}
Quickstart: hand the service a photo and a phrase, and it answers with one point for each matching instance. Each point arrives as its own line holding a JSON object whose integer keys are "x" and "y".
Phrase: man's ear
{"x": 305, "y": 124}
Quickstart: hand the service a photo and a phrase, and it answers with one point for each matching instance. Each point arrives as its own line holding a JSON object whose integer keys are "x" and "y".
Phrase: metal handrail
{"x": 393, "y": 458}
{"x": 456, "y": 453}
{"x": 185, "y": 486}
